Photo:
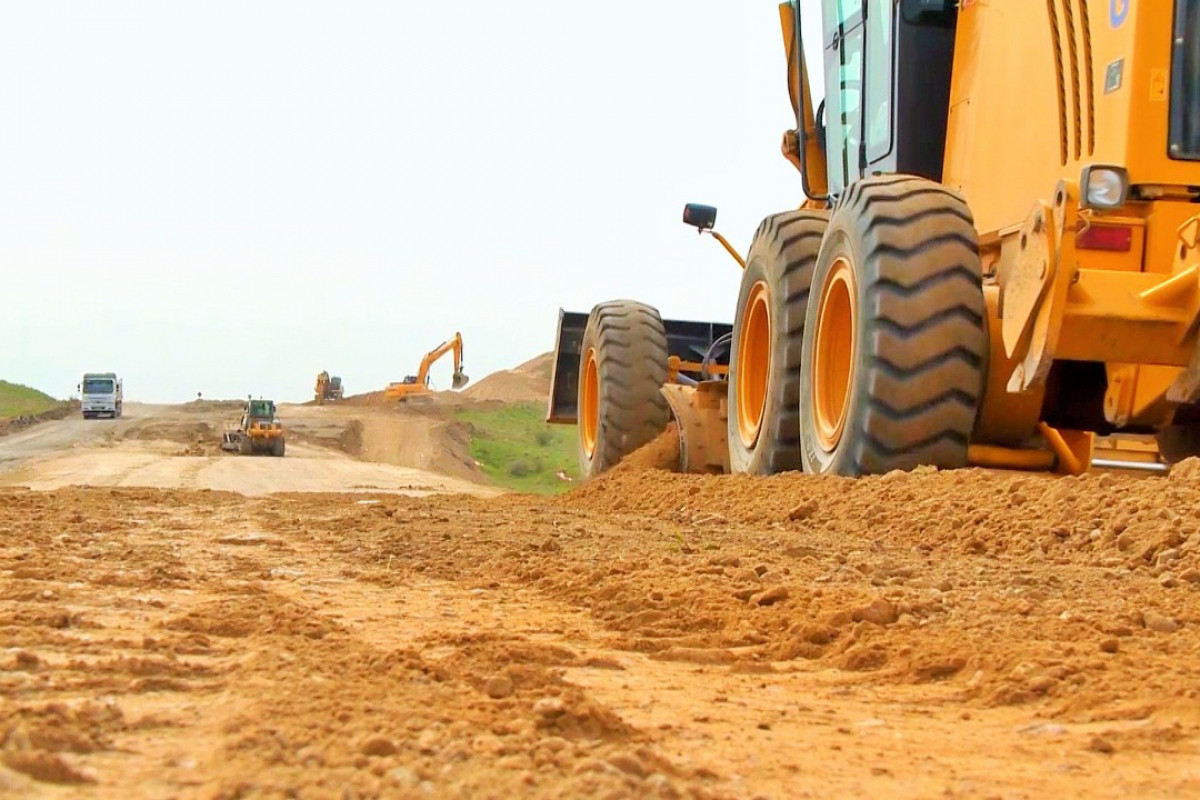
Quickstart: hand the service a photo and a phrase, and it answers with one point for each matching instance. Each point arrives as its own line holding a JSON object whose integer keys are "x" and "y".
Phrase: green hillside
{"x": 17, "y": 400}
{"x": 518, "y": 450}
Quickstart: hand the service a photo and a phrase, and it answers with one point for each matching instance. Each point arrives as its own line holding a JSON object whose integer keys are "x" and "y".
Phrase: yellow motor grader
{"x": 996, "y": 260}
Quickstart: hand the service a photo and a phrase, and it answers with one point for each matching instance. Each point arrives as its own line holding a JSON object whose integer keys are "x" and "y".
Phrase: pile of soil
{"x": 181, "y": 432}
{"x": 527, "y": 383}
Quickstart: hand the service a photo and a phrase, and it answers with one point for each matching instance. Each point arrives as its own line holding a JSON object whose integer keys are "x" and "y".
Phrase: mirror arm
{"x": 728, "y": 247}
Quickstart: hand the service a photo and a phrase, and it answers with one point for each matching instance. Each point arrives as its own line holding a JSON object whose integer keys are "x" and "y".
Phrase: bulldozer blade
{"x": 460, "y": 380}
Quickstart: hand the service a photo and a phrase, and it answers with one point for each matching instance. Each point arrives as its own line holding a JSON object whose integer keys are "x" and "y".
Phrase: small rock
{"x": 549, "y": 707}
{"x": 1167, "y": 580}
{"x": 771, "y": 596}
{"x": 1110, "y": 646}
{"x": 803, "y": 511}
{"x": 1099, "y": 744}
{"x": 1167, "y": 556}
{"x": 498, "y": 687}
{"x": 1192, "y": 576}
{"x": 47, "y": 595}
{"x": 880, "y": 611}
{"x": 379, "y": 746}
{"x": 1159, "y": 623}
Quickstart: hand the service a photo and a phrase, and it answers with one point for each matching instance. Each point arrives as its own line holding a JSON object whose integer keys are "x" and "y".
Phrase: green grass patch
{"x": 17, "y": 400}
{"x": 518, "y": 450}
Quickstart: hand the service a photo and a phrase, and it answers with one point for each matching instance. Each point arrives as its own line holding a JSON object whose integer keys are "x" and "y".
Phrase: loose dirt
{"x": 960, "y": 634}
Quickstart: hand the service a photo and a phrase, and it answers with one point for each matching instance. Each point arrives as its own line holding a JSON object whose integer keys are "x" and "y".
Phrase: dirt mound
{"x": 539, "y": 366}
{"x": 527, "y": 383}
{"x": 182, "y": 432}
{"x": 412, "y": 439}
{"x": 660, "y": 454}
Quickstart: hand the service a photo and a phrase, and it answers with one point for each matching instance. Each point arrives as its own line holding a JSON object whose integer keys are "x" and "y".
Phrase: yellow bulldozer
{"x": 994, "y": 264}
{"x": 417, "y": 386}
{"x": 258, "y": 431}
{"x": 328, "y": 389}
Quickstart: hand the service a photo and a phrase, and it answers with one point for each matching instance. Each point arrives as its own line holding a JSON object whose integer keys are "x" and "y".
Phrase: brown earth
{"x": 527, "y": 383}
{"x": 20, "y": 423}
{"x": 956, "y": 634}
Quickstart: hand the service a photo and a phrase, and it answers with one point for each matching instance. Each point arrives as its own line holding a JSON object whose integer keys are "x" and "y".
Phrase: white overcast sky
{"x": 227, "y": 197}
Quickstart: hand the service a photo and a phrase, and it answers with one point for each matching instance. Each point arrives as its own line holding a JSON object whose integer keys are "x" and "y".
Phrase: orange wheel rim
{"x": 753, "y": 364}
{"x": 589, "y": 412}
{"x": 833, "y": 355}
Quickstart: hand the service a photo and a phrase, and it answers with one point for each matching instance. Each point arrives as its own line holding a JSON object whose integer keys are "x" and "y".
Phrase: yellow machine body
{"x": 418, "y": 385}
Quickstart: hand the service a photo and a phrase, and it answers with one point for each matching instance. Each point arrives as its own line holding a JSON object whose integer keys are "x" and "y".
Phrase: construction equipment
{"x": 328, "y": 388}
{"x": 996, "y": 260}
{"x": 259, "y": 431}
{"x": 415, "y": 386}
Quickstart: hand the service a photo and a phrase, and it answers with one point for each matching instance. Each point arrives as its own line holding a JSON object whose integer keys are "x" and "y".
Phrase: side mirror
{"x": 934, "y": 13}
{"x": 700, "y": 217}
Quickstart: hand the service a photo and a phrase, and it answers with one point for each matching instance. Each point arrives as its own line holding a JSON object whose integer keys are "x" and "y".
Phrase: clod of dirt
{"x": 1159, "y": 623}
{"x": 879, "y": 611}
{"x": 46, "y": 767}
{"x": 549, "y": 708}
{"x": 379, "y": 746}
{"x": 803, "y": 511}
{"x": 498, "y": 687}
{"x": 771, "y": 596}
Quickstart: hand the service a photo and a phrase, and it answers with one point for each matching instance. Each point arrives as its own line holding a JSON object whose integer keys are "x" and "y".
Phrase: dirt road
{"x": 964, "y": 634}
{"x": 177, "y": 447}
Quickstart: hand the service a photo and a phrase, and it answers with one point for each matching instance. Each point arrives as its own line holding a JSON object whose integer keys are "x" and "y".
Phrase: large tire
{"x": 622, "y": 367}
{"x": 768, "y": 334}
{"x": 896, "y": 348}
{"x": 278, "y": 447}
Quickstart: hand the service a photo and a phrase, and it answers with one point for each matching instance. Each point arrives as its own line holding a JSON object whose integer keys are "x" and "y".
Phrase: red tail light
{"x": 1105, "y": 237}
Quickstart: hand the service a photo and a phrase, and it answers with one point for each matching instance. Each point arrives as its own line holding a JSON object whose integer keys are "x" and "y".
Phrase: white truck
{"x": 100, "y": 395}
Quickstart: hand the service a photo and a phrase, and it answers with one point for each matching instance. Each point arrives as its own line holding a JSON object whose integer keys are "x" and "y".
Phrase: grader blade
{"x": 700, "y": 413}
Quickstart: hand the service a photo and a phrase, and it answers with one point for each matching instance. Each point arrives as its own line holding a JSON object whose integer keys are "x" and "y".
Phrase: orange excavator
{"x": 418, "y": 385}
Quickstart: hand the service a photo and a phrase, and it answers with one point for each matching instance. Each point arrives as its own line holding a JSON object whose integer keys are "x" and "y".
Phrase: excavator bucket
{"x": 460, "y": 380}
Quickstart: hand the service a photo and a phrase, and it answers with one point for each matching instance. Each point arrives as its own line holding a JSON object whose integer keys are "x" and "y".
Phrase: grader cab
{"x": 996, "y": 260}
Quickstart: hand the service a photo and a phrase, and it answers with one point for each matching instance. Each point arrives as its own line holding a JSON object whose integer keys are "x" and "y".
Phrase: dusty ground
{"x": 330, "y": 448}
{"x": 964, "y": 634}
